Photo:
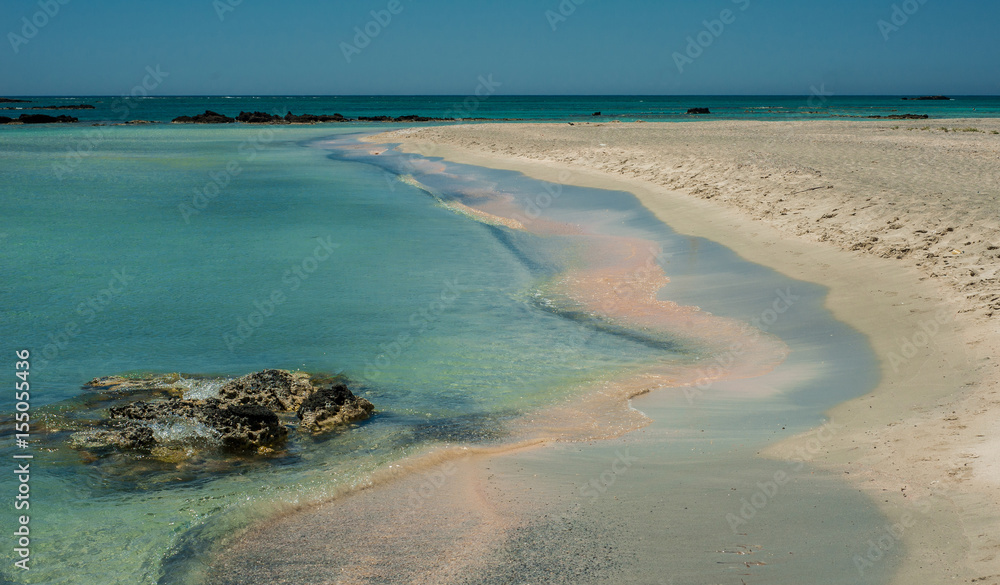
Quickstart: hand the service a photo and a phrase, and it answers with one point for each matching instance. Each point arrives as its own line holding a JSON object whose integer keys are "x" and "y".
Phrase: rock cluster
{"x": 38, "y": 119}
{"x": 245, "y": 417}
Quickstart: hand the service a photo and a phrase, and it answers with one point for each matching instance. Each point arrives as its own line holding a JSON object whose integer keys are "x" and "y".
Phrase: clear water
{"x": 129, "y": 260}
{"x": 532, "y": 108}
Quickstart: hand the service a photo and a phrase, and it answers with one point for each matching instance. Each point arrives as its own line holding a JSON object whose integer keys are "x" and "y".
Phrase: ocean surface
{"x": 148, "y": 250}
{"x": 531, "y": 108}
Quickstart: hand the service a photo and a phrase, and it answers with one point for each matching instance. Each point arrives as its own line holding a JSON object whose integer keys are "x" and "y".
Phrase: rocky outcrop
{"x": 250, "y": 414}
{"x": 13, "y": 101}
{"x": 313, "y": 119}
{"x": 699, "y": 111}
{"x": 44, "y": 119}
{"x": 408, "y": 118}
{"x": 69, "y": 107}
{"x": 929, "y": 98}
{"x": 274, "y": 389}
{"x": 5, "y": 120}
{"x": 331, "y": 407}
{"x": 209, "y": 117}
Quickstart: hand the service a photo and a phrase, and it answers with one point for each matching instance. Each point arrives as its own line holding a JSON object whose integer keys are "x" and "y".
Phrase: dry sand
{"x": 901, "y": 220}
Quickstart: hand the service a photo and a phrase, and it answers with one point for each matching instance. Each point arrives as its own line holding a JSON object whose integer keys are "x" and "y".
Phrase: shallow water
{"x": 449, "y": 320}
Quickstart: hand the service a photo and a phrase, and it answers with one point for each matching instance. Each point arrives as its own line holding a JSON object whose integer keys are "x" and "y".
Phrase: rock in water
{"x": 699, "y": 111}
{"x": 209, "y": 117}
{"x": 245, "y": 417}
{"x": 329, "y": 407}
{"x": 246, "y": 427}
{"x": 274, "y": 389}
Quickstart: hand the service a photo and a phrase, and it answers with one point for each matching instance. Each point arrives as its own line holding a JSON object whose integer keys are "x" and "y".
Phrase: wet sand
{"x": 900, "y": 222}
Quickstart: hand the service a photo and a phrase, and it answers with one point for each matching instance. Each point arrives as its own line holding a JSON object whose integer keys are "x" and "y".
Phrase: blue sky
{"x": 247, "y": 47}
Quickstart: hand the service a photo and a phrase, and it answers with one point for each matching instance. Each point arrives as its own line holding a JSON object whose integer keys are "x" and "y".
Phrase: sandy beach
{"x": 901, "y": 220}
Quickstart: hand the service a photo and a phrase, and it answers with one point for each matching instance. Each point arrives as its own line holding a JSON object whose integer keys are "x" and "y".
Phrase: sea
{"x": 159, "y": 249}
{"x": 527, "y": 108}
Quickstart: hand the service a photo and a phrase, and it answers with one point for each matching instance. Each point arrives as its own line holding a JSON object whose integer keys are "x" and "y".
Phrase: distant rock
{"x": 209, "y": 117}
{"x": 407, "y": 118}
{"x": 313, "y": 119}
{"x": 5, "y": 120}
{"x": 596, "y": 114}
{"x": 45, "y": 119}
{"x": 134, "y": 123}
{"x": 259, "y": 118}
{"x": 903, "y": 117}
{"x": 699, "y": 111}
{"x": 13, "y": 101}
{"x": 69, "y": 107}
{"x": 929, "y": 98}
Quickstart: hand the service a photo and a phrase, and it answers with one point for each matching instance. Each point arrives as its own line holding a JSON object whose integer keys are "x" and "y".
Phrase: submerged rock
{"x": 699, "y": 111}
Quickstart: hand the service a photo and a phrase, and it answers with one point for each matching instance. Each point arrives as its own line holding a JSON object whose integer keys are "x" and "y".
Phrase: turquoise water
{"x": 106, "y": 271}
{"x": 532, "y": 108}
{"x": 163, "y": 249}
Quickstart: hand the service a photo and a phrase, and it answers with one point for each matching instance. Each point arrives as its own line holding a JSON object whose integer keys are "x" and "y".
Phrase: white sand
{"x": 903, "y": 226}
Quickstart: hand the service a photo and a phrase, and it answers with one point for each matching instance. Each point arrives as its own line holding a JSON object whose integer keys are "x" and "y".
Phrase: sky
{"x": 548, "y": 47}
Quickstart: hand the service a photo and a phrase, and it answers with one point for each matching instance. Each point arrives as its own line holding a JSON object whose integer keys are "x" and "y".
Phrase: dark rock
{"x": 407, "y": 118}
{"x": 13, "y": 101}
{"x": 5, "y": 120}
{"x": 209, "y": 117}
{"x": 596, "y": 114}
{"x": 246, "y": 427}
{"x": 245, "y": 417}
{"x": 275, "y": 389}
{"x": 902, "y": 117}
{"x": 699, "y": 111}
{"x": 69, "y": 107}
{"x": 313, "y": 119}
{"x": 125, "y": 435}
{"x": 332, "y": 406}
{"x": 258, "y": 118}
{"x": 44, "y": 119}
{"x": 929, "y": 98}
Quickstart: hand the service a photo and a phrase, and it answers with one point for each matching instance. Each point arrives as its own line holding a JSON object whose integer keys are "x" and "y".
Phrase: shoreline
{"x": 948, "y": 465}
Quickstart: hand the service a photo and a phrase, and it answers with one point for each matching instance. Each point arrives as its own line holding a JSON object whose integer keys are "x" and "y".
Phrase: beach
{"x": 899, "y": 219}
